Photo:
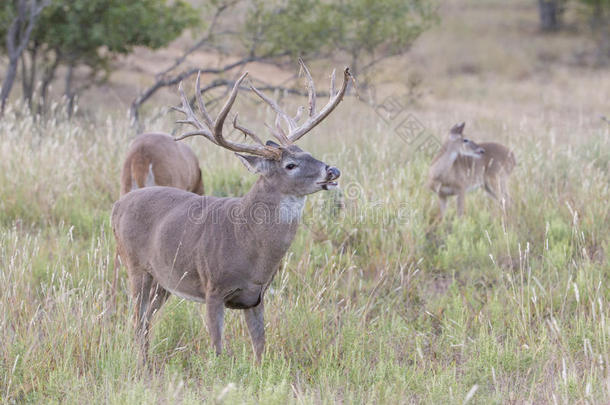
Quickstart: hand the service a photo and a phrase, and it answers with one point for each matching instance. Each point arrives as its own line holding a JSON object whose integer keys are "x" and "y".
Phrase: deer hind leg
{"x": 256, "y": 327}
{"x": 215, "y": 311}
{"x": 461, "y": 195}
{"x": 115, "y": 280}
{"x": 442, "y": 203}
{"x": 496, "y": 188}
{"x": 505, "y": 196}
{"x": 148, "y": 296}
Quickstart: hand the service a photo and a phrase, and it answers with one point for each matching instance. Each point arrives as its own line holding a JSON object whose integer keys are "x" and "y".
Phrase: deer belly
{"x": 446, "y": 190}
{"x": 243, "y": 299}
{"x": 186, "y": 295}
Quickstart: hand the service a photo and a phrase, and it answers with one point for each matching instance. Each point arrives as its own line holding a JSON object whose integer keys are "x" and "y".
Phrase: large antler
{"x": 295, "y": 131}
{"x": 212, "y": 130}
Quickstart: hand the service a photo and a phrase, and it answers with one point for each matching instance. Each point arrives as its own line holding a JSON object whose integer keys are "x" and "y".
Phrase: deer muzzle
{"x": 332, "y": 174}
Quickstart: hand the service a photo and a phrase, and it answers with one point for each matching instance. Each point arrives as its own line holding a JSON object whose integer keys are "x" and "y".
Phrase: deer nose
{"x": 332, "y": 173}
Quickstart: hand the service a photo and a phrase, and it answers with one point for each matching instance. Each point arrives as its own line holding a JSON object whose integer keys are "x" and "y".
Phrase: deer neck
{"x": 443, "y": 163}
{"x": 270, "y": 212}
{"x": 268, "y": 221}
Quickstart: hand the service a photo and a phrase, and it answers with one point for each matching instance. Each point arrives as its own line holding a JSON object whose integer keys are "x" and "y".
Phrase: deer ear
{"x": 254, "y": 164}
{"x": 458, "y": 128}
{"x": 271, "y": 143}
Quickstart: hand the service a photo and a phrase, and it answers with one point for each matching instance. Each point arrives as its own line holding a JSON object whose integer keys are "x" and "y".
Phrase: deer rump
{"x": 153, "y": 245}
{"x": 157, "y": 160}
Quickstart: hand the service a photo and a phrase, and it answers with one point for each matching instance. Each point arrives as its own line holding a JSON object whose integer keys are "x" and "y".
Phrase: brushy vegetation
{"x": 373, "y": 305}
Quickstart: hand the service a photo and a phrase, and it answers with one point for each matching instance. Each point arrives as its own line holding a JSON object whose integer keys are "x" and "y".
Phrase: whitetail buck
{"x": 223, "y": 251}
{"x": 462, "y": 165}
{"x": 157, "y": 160}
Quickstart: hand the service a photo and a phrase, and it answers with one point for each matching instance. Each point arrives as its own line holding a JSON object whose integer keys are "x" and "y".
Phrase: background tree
{"x": 17, "y": 20}
{"x": 362, "y": 31}
{"x": 551, "y": 13}
{"x": 90, "y": 33}
{"x": 366, "y": 31}
{"x": 597, "y": 12}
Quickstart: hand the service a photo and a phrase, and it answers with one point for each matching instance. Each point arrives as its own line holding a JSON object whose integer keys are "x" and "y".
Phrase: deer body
{"x": 222, "y": 251}
{"x": 463, "y": 165}
{"x": 157, "y": 160}
{"x": 215, "y": 230}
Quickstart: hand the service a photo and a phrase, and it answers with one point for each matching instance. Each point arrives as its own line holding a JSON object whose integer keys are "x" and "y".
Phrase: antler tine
{"x": 191, "y": 119}
{"x": 291, "y": 124}
{"x": 282, "y": 139}
{"x": 332, "y": 84}
{"x": 297, "y": 116}
{"x": 246, "y": 131}
{"x": 311, "y": 90}
{"x": 327, "y": 109}
{"x": 280, "y": 131}
{"x": 222, "y": 115}
{"x": 200, "y": 102}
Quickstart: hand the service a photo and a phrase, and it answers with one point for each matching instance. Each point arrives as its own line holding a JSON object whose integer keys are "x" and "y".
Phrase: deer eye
{"x": 465, "y": 140}
{"x": 290, "y": 166}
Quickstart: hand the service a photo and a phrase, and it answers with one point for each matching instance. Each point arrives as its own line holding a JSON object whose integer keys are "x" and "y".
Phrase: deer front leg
{"x": 215, "y": 311}
{"x": 256, "y": 327}
{"x": 460, "y": 202}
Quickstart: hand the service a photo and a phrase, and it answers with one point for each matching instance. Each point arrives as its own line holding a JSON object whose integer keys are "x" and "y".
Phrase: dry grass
{"x": 372, "y": 306}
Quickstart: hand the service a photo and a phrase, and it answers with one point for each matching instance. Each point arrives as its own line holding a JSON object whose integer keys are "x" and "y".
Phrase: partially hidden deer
{"x": 155, "y": 159}
{"x": 223, "y": 252}
{"x": 463, "y": 165}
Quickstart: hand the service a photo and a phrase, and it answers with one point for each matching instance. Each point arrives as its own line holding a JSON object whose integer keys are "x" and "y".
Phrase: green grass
{"x": 372, "y": 305}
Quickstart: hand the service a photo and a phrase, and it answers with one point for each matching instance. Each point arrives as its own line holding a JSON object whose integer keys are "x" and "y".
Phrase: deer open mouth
{"x": 327, "y": 185}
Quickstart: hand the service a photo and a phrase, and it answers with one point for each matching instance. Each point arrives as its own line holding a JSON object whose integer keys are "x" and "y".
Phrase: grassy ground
{"x": 375, "y": 305}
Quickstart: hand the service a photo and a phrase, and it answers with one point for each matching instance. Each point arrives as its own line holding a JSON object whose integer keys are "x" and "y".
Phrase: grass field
{"x": 375, "y": 305}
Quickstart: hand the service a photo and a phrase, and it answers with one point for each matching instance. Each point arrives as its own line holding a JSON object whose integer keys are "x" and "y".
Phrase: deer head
{"x": 290, "y": 170}
{"x": 461, "y": 145}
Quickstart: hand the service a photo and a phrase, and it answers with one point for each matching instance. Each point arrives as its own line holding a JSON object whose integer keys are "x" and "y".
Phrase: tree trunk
{"x": 17, "y": 38}
{"x": 7, "y": 85}
{"x": 68, "y": 91}
{"x": 47, "y": 77}
{"x": 550, "y": 12}
{"x": 28, "y": 76}
{"x": 600, "y": 25}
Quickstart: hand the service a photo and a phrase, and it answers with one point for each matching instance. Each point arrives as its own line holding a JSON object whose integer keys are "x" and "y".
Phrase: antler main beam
{"x": 212, "y": 129}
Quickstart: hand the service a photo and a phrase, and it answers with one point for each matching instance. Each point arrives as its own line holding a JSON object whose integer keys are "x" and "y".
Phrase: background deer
{"x": 222, "y": 251}
{"x": 462, "y": 165}
{"x": 157, "y": 160}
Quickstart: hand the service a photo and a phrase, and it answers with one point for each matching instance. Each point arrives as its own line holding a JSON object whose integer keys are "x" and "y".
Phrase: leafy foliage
{"x": 91, "y": 32}
{"x": 81, "y": 28}
{"x": 360, "y": 28}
